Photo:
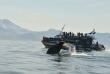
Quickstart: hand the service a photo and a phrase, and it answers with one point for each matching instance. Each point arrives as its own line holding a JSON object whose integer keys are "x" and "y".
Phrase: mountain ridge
{"x": 11, "y": 31}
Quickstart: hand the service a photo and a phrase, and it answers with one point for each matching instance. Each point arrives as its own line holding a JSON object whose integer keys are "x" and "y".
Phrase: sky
{"x": 41, "y": 15}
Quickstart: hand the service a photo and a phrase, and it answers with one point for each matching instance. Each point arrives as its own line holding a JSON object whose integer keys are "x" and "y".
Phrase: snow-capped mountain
{"x": 9, "y": 30}
{"x": 8, "y": 27}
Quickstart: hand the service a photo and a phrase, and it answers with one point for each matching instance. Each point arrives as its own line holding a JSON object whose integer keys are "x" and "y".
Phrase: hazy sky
{"x": 41, "y": 15}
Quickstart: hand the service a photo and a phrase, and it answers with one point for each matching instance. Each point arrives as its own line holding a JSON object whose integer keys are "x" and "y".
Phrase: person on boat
{"x": 64, "y": 33}
{"x": 97, "y": 43}
{"x": 70, "y": 34}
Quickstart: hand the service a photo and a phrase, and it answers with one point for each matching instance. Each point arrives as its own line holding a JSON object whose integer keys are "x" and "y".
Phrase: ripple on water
{"x": 11, "y": 72}
{"x": 27, "y": 57}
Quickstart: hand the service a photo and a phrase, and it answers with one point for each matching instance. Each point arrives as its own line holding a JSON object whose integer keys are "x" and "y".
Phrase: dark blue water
{"x": 28, "y": 57}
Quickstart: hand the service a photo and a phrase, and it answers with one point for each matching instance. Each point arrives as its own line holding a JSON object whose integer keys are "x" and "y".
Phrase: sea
{"x": 29, "y": 57}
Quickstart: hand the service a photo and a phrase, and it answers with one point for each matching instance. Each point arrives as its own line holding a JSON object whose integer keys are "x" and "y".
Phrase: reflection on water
{"x": 60, "y": 64}
{"x": 61, "y": 73}
{"x": 58, "y": 58}
{"x": 11, "y": 72}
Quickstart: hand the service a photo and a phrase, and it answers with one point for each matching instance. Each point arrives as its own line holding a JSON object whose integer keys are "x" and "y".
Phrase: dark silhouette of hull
{"x": 82, "y": 42}
{"x": 69, "y": 47}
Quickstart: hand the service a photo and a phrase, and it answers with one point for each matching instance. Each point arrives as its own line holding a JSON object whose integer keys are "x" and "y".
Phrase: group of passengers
{"x": 72, "y": 34}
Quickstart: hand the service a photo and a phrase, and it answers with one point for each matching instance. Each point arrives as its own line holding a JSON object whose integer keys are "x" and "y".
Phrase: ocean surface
{"x": 29, "y": 57}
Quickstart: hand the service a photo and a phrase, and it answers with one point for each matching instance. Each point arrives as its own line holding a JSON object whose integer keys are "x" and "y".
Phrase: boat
{"x": 81, "y": 41}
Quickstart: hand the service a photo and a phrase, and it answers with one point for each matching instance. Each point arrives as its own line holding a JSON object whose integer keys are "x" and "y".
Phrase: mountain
{"x": 11, "y": 31}
{"x": 38, "y": 35}
{"x": 49, "y": 33}
{"x": 7, "y": 27}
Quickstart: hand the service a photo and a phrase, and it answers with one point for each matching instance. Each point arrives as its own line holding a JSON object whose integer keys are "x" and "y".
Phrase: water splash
{"x": 107, "y": 50}
{"x": 80, "y": 54}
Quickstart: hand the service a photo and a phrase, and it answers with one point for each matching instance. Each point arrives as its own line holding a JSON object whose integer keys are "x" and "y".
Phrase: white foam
{"x": 80, "y": 54}
{"x": 107, "y": 50}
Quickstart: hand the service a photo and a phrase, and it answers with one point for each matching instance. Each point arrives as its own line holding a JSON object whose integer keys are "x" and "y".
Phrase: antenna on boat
{"x": 63, "y": 27}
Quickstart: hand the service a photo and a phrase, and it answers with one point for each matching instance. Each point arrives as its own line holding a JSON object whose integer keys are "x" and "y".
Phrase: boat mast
{"x": 63, "y": 29}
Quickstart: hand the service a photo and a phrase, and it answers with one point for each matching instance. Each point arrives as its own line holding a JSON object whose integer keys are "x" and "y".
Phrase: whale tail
{"x": 55, "y": 49}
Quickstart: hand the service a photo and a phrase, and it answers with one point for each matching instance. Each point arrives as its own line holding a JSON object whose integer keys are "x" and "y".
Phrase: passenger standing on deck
{"x": 70, "y": 33}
